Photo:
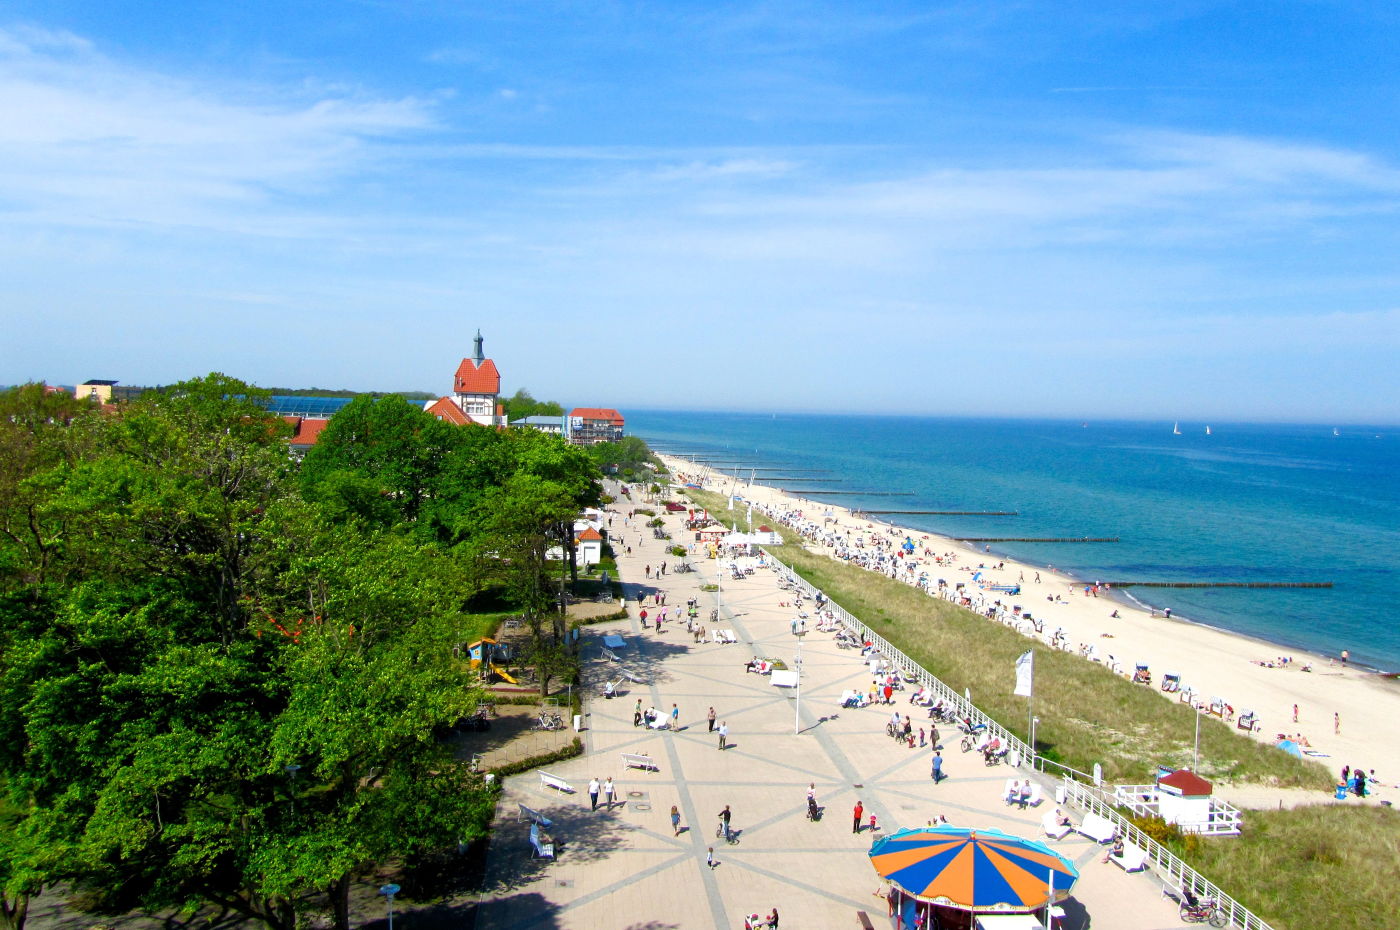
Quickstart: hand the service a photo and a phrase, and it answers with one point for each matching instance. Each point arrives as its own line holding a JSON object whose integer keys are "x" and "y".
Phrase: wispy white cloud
{"x": 98, "y": 141}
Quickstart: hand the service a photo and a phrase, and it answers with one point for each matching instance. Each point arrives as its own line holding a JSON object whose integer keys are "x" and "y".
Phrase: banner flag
{"x": 1025, "y": 674}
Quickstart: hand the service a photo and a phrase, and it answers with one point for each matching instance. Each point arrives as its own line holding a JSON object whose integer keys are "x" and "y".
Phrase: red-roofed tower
{"x": 476, "y": 389}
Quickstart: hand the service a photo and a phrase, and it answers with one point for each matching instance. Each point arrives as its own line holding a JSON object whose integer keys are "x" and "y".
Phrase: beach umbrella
{"x": 1290, "y": 747}
{"x": 973, "y": 870}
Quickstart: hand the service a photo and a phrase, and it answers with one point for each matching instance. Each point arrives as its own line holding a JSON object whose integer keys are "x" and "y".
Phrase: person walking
{"x": 724, "y": 816}
{"x": 711, "y": 718}
{"x": 856, "y": 815}
{"x": 593, "y": 792}
{"x": 937, "y": 773}
{"x": 637, "y": 714}
{"x": 710, "y": 858}
{"x": 608, "y": 791}
{"x": 675, "y": 821}
{"x": 723, "y": 736}
{"x": 1337, "y": 723}
{"x": 675, "y": 717}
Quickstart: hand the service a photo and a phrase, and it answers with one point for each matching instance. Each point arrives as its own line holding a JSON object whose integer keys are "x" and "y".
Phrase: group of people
{"x": 652, "y": 718}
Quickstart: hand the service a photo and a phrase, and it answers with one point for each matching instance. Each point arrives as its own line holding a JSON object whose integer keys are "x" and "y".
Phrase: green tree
{"x": 521, "y": 404}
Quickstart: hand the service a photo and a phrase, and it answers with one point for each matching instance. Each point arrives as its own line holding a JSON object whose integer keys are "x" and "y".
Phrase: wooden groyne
{"x": 1217, "y": 584}
{"x": 946, "y": 513}
{"x": 799, "y": 478}
{"x": 846, "y": 493}
{"x": 1044, "y": 539}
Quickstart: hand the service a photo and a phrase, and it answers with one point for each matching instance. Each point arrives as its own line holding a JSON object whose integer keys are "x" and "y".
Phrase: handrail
{"x": 1078, "y": 786}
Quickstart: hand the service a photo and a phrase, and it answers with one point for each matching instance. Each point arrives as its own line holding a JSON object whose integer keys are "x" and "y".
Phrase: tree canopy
{"x": 521, "y": 404}
{"x": 224, "y": 678}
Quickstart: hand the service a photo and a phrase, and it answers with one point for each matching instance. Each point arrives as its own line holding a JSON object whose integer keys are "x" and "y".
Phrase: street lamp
{"x": 797, "y": 662}
{"x": 388, "y": 891}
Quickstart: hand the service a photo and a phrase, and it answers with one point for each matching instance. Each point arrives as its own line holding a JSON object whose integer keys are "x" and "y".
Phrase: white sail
{"x": 1176, "y": 429}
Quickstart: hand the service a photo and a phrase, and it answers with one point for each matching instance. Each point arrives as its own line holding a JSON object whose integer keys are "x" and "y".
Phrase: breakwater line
{"x": 1218, "y": 584}
{"x": 1038, "y": 539}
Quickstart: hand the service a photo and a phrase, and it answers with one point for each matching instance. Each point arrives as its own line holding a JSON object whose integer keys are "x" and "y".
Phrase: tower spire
{"x": 479, "y": 357}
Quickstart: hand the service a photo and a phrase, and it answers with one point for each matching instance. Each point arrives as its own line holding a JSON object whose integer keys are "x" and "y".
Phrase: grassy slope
{"x": 1087, "y": 714}
{"x": 1313, "y": 866}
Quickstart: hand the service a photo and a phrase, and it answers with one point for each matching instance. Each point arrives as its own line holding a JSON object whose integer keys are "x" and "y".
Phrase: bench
{"x": 863, "y": 919}
{"x": 534, "y": 816}
{"x": 637, "y": 760}
{"x": 1052, "y": 829}
{"x": 632, "y": 677}
{"x": 554, "y": 781}
{"x": 1099, "y": 829}
{"x": 541, "y": 849}
{"x": 783, "y": 679}
{"x": 1132, "y": 860}
{"x": 610, "y": 655}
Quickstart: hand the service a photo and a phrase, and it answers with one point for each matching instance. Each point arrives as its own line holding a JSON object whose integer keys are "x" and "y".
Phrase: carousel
{"x": 953, "y": 878}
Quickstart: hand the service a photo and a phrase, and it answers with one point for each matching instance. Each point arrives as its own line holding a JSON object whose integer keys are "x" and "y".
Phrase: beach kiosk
{"x": 1183, "y": 798}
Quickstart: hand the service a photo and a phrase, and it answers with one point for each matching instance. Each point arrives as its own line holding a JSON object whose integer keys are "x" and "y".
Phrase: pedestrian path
{"x": 623, "y": 868}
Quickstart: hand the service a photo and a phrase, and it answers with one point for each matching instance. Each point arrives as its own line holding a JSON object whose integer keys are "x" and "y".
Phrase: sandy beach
{"x": 1212, "y": 662}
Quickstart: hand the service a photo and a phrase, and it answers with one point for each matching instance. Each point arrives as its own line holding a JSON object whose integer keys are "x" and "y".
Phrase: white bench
{"x": 1052, "y": 829}
{"x": 784, "y": 678}
{"x": 637, "y": 760}
{"x": 1099, "y": 829}
{"x": 554, "y": 781}
{"x": 1132, "y": 860}
{"x": 610, "y": 655}
{"x": 541, "y": 849}
{"x": 632, "y": 676}
{"x": 534, "y": 816}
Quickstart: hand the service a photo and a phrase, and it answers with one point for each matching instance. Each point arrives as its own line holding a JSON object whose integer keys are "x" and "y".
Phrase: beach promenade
{"x": 624, "y": 868}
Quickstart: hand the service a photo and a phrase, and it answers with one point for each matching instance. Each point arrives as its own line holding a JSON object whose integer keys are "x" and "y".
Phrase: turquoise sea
{"x": 1249, "y": 502}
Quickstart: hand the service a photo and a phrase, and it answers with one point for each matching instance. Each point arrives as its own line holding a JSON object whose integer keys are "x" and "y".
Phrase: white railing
{"x": 1078, "y": 787}
{"x": 1172, "y": 871}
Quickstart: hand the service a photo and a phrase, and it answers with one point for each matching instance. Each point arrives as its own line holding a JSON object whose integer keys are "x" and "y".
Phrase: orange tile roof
{"x": 444, "y": 408}
{"x": 597, "y": 413}
{"x": 474, "y": 379}
{"x": 306, "y": 430}
{"x": 589, "y": 534}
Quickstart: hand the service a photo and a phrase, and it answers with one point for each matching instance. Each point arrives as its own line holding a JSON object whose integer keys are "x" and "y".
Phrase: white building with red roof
{"x": 589, "y": 425}
{"x": 476, "y": 391}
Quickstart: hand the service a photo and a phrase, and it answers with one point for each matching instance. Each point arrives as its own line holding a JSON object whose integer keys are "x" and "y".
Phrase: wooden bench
{"x": 863, "y": 919}
{"x": 541, "y": 849}
{"x": 532, "y": 815}
{"x": 637, "y": 760}
{"x": 554, "y": 781}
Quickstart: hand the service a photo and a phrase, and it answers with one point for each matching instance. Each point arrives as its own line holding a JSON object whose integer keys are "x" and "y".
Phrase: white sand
{"x": 1211, "y": 661}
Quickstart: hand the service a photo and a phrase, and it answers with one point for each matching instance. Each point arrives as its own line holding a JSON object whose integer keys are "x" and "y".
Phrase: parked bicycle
{"x": 1201, "y": 910}
{"x": 548, "y": 721}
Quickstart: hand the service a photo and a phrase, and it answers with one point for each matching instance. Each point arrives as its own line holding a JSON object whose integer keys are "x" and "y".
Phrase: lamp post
{"x": 1034, "y": 721}
{"x": 797, "y": 663}
{"x": 388, "y": 891}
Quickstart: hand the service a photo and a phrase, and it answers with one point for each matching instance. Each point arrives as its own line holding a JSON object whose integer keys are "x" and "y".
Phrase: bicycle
{"x": 1204, "y": 910}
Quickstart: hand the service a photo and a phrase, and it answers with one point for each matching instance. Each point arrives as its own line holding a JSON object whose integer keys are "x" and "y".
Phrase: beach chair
{"x": 1008, "y": 792}
{"x": 1036, "y": 797}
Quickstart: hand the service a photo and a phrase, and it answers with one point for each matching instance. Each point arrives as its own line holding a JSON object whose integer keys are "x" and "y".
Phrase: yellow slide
{"x": 498, "y": 670}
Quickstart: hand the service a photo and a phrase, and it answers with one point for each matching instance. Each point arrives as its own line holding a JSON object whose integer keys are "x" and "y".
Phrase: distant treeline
{"x": 327, "y": 392}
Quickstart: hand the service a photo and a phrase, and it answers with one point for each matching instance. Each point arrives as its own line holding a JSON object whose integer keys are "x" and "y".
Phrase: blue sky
{"x": 1183, "y": 210}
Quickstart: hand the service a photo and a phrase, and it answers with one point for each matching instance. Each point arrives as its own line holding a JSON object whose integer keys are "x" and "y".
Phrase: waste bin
{"x": 578, "y": 723}
{"x": 1341, "y": 791}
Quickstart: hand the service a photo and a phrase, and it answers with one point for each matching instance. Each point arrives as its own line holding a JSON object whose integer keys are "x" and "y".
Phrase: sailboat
{"x": 1176, "y": 429}
{"x": 1334, "y": 432}
{"x": 1207, "y": 430}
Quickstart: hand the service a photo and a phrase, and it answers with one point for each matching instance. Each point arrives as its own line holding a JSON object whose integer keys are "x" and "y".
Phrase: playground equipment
{"x": 489, "y": 657}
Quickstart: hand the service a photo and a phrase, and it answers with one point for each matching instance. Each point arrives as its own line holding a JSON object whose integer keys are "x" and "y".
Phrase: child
{"x": 710, "y": 857}
{"x": 874, "y": 824}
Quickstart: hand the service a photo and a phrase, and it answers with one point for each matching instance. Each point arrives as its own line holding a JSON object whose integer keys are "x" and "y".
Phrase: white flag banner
{"x": 1025, "y": 674}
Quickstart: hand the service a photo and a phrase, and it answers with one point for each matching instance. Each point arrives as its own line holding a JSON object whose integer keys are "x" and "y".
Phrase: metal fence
{"x": 1079, "y": 788}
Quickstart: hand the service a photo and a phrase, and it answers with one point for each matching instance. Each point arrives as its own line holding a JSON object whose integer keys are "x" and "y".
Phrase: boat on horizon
{"x": 1334, "y": 432}
{"x": 1207, "y": 430}
{"x": 1176, "y": 429}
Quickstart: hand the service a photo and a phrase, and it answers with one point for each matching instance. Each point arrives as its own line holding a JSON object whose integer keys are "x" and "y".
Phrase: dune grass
{"x": 1087, "y": 713}
{"x": 1330, "y": 865}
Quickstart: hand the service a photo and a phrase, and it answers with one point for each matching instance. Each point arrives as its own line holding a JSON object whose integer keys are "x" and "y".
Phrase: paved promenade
{"x": 624, "y": 868}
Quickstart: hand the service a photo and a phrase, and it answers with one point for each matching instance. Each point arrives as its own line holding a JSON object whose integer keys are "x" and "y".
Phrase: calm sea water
{"x": 1249, "y": 503}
